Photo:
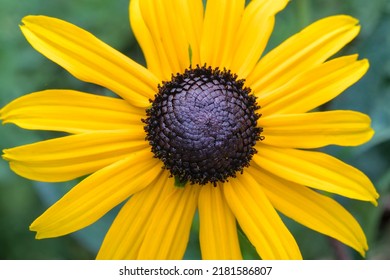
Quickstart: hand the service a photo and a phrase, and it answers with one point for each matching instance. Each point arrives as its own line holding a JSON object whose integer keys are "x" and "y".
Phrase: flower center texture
{"x": 203, "y": 125}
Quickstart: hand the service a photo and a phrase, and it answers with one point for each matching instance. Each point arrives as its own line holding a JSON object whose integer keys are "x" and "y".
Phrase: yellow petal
{"x": 316, "y": 170}
{"x": 190, "y": 17}
{"x": 152, "y": 55}
{"x": 71, "y": 111}
{"x": 89, "y": 59}
{"x": 128, "y": 230}
{"x": 170, "y": 224}
{"x": 97, "y": 194}
{"x": 312, "y": 209}
{"x": 165, "y": 31}
{"x": 308, "y": 48}
{"x": 70, "y": 157}
{"x": 314, "y": 130}
{"x": 259, "y": 220}
{"x": 314, "y": 87}
{"x": 253, "y": 33}
{"x": 170, "y": 43}
{"x": 218, "y": 231}
{"x": 219, "y": 32}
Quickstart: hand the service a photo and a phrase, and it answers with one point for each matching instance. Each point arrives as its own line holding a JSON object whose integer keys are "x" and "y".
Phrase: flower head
{"x": 210, "y": 125}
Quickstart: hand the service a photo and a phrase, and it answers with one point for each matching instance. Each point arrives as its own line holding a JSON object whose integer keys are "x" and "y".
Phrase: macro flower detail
{"x": 211, "y": 125}
{"x": 203, "y": 126}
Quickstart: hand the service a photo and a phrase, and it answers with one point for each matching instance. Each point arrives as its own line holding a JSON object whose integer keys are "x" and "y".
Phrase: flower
{"x": 211, "y": 125}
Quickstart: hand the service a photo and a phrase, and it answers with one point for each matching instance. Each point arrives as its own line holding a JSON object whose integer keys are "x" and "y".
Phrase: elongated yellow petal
{"x": 312, "y": 209}
{"x": 218, "y": 231}
{"x": 313, "y": 130}
{"x": 308, "y": 48}
{"x": 253, "y": 33}
{"x": 69, "y": 157}
{"x": 72, "y": 112}
{"x": 166, "y": 31}
{"x": 89, "y": 59}
{"x": 317, "y": 170}
{"x": 170, "y": 43}
{"x": 170, "y": 224}
{"x": 190, "y": 17}
{"x": 128, "y": 230}
{"x": 314, "y": 87}
{"x": 259, "y": 220}
{"x": 97, "y": 194}
{"x": 154, "y": 59}
{"x": 220, "y": 26}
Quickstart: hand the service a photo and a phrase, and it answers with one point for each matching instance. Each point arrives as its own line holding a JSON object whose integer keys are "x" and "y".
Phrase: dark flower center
{"x": 203, "y": 125}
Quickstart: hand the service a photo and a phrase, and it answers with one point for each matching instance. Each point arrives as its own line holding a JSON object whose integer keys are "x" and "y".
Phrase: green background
{"x": 23, "y": 70}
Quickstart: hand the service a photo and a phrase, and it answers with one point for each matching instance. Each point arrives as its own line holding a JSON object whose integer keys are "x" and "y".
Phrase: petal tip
{"x": 26, "y": 20}
{"x": 362, "y": 253}
{"x": 364, "y": 63}
{"x": 375, "y": 201}
{"x": 7, "y": 155}
{"x": 347, "y": 18}
{"x": 38, "y": 233}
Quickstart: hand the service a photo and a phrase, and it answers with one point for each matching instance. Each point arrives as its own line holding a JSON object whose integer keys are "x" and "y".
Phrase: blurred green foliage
{"x": 23, "y": 70}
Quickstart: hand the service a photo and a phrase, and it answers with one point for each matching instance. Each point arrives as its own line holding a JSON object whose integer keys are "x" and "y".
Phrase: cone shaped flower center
{"x": 203, "y": 125}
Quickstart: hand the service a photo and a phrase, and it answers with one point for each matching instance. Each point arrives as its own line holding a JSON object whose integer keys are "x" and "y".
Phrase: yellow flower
{"x": 232, "y": 127}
